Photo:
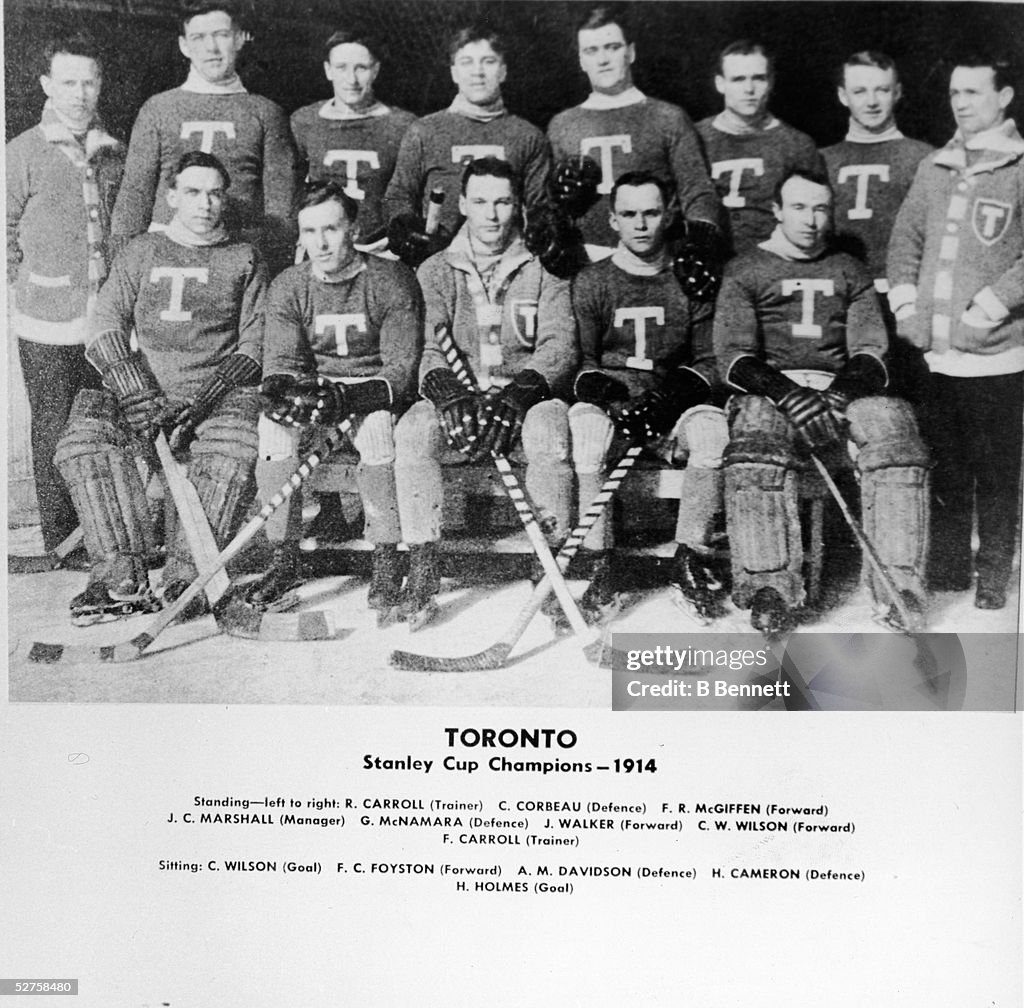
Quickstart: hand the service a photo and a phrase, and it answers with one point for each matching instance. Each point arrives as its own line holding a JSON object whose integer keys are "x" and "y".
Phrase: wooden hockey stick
{"x": 49, "y": 561}
{"x": 523, "y": 509}
{"x": 911, "y": 621}
{"x": 494, "y": 657}
{"x": 126, "y": 651}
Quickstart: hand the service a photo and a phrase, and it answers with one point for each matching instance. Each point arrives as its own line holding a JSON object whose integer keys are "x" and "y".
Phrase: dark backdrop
{"x": 676, "y": 45}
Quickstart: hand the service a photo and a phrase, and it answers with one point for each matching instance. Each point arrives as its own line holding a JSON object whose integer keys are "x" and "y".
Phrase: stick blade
{"x": 82, "y": 654}
{"x": 493, "y": 658}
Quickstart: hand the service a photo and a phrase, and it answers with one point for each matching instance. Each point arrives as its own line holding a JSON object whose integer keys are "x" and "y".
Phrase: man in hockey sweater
{"x": 799, "y": 330}
{"x": 353, "y": 138}
{"x": 62, "y": 179}
{"x": 624, "y": 130}
{"x": 747, "y": 147}
{"x": 194, "y": 298}
{"x": 956, "y": 269}
{"x": 344, "y": 335}
{"x": 436, "y": 149}
{"x": 213, "y": 112}
{"x": 649, "y": 372}
{"x": 512, "y": 322}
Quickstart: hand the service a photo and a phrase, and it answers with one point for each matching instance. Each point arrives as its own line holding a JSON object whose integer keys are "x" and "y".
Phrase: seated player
{"x": 798, "y": 329}
{"x": 194, "y": 297}
{"x": 649, "y": 372}
{"x": 512, "y": 323}
{"x": 344, "y": 336}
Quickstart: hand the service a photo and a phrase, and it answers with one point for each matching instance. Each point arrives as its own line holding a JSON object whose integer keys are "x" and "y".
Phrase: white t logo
{"x": 470, "y": 152}
{"x": 863, "y": 174}
{"x": 639, "y": 318}
{"x": 735, "y": 169}
{"x": 341, "y": 325}
{"x": 178, "y": 275}
{"x": 208, "y": 130}
{"x": 994, "y": 216}
{"x": 353, "y": 159}
{"x": 529, "y": 313}
{"x": 606, "y": 144}
{"x": 806, "y": 326}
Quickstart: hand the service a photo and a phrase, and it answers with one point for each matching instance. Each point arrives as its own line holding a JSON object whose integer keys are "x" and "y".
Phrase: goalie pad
{"x": 592, "y": 434}
{"x": 95, "y": 461}
{"x": 545, "y": 440}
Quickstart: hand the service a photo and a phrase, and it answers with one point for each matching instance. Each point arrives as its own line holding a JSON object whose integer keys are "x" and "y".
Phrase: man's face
{"x": 870, "y": 93}
{"x": 977, "y": 105}
{"x": 197, "y": 199}
{"x": 327, "y": 235}
{"x": 639, "y": 218}
{"x": 606, "y": 59}
{"x": 745, "y": 85}
{"x": 351, "y": 69}
{"x": 212, "y": 43}
{"x": 478, "y": 72}
{"x": 804, "y": 213}
{"x": 489, "y": 206}
{"x": 73, "y": 87}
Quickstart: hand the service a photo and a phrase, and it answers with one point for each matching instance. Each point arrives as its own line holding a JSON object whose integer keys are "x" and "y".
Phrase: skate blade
{"x": 388, "y": 616}
{"x": 687, "y": 607}
{"x": 422, "y": 617}
{"x": 288, "y": 602}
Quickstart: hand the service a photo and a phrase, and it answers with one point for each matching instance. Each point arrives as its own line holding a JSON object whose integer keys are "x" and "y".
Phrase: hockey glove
{"x": 698, "y": 260}
{"x": 458, "y": 409}
{"x": 553, "y": 238}
{"x": 508, "y": 408}
{"x": 654, "y": 413}
{"x": 303, "y": 400}
{"x": 126, "y": 373}
{"x": 862, "y": 375}
{"x": 572, "y": 185}
{"x": 408, "y": 239}
{"x": 600, "y": 389}
{"x": 236, "y": 370}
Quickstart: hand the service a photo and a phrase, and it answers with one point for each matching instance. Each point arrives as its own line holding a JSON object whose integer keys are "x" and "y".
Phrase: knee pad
{"x": 703, "y": 435}
{"x": 374, "y": 438}
{"x": 758, "y": 434}
{"x": 885, "y": 431}
{"x": 592, "y": 433}
{"x": 277, "y": 441}
{"x": 418, "y": 434}
{"x": 545, "y": 434}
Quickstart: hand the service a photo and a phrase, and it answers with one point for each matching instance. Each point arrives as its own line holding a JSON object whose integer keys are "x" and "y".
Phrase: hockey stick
{"x": 126, "y": 651}
{"x": 494, "y": 656}
{"x": 515, "y": 492}
{"x": 911, "y": 621}
{"x": 49, "y": 561}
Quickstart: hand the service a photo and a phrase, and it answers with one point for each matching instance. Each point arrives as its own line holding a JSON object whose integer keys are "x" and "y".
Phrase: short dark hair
{"x": 746, "y": 47}
{"x": 639, "y": 178}
{"x": 818, "y": 178}
{"x": 197, "y": 8}
{"x": 475, "y": 33}
{"x": 200, "y": 159}
{"x": 70, "y": 44}
{"x": 608, "y": 14}
{"x": 328, "y": 191}
{"x": 1000, "y": 63}
{"x": 867, "y": 57}
{"x": 344, "y": 37}
{"x": 495, "y": 167}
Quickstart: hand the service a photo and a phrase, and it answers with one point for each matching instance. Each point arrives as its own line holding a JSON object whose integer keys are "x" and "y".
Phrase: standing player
{"x": 649, "y": 371}
{"x": 956, "y": 265}
{"x": 344, "y": 336}
{"x": 213, "y": 112}
{"x": 437, "y": 148}
{"x": 353, "y": 138}
{"x": 798, "y": 329}
{"x": 512, "y": 321}
{"x": 624, "y": 130}
{"x": 194, "y": 298}
{"x": 62, "y": 178}
{"x": 748, "y": 148}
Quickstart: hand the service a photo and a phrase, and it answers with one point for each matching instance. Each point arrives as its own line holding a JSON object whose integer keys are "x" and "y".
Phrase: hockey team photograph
{"x": 424, "y": 352}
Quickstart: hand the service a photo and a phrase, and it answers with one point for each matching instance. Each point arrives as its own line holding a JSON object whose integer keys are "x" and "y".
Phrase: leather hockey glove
{"x": 572, "y": 185}
{"x": 654, "y": 413}
{"x": 862, "y": 375}
{"x": 556, "y": 241}
{"x": 408, "y": 239}
{"x": 458, "y": 409}
{"x": 507, "y": 408}
{"x": 126, "y": 373}
{"x": 698, "y": 260}
{"x": 600, "y": 389}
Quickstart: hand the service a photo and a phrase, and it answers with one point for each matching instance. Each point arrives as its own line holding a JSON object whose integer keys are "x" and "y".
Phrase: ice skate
{"x": 417, "y": 605}
{"x": 697, "y": 589}
{"x": 770, "y": 614}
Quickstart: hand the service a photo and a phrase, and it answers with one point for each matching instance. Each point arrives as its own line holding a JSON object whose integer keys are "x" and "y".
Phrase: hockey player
{"x": 798, "y": 329}
{"x": 62, "y": 178}
{"x": 353, "y": 138}
{"x": 748, "y": 148}
{"x": 649, "y": 372}
{"x": 436, "y": 149}
{"x": 512, "y": 322}
{"x": 213, "y": 112}
{"x": 956, "y": 266}
{"x": 344, "y": 337}
{"x": 624, "y": 130}
{"x": 194, "y": 298}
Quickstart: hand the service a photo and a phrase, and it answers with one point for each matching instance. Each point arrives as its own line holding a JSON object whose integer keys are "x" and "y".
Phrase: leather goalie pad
{"x": 95, "y": 459}
{"x": 885, "y": 432}
{"x": 545, "y": 440}
{"x": 592, "y": 434}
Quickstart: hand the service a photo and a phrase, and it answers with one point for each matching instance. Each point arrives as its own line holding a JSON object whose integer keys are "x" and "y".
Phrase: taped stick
{"x": 50, "y": 561}
{"x": 433, "y": 221}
